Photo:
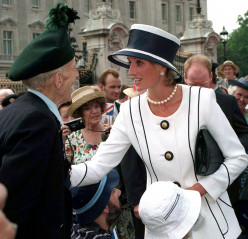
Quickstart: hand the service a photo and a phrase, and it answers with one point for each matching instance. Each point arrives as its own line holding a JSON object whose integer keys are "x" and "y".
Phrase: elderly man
{"x": 239, "y": 89}
{"x": 97, "y": 207}
{"x": 31, "y": 148}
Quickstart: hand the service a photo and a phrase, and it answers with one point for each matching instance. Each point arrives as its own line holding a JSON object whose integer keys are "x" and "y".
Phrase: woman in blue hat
{"x": 162, "y": 125}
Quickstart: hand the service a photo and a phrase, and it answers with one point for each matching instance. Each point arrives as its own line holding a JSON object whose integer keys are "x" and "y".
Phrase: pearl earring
{"x": 162, "y": 73}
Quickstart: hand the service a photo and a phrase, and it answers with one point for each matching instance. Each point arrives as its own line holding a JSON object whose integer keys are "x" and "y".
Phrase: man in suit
{"x": 110, "y": 83}
{"x": 33, "y": 166}
{"x": 197, "y": 72}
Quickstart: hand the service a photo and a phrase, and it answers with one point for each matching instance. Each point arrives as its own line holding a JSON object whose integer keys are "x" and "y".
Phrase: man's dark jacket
{"x": 229, "y": 106}
{"x": 32, "y": 169}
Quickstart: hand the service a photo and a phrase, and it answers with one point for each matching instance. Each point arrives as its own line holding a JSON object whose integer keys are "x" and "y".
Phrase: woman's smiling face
{"x": 145, "y": 74}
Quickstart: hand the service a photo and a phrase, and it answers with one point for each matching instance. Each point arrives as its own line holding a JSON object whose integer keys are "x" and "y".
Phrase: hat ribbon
{"x": 94, "y": 199}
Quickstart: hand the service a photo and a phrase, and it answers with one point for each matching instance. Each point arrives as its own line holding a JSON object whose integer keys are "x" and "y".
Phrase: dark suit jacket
{"x": 229, "y": 106}
{"x": 32, "y": 169}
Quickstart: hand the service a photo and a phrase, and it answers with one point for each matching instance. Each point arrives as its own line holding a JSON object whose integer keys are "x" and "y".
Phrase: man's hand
{"x": 7, "y": 229}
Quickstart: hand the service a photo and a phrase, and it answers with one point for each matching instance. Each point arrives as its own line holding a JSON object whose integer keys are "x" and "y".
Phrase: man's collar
{"x": 50, "y": 104}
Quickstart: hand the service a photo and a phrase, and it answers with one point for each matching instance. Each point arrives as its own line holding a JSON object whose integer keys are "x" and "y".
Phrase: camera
{"x": 75, "y": 124}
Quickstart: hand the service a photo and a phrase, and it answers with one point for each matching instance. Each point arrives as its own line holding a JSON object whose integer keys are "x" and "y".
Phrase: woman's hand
{"x": 65, "y": 131}
{"x": 198, "y": 187}
{"x": 136, "y": 211}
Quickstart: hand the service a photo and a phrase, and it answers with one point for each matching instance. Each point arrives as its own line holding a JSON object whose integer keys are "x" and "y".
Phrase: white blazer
{"x": 137, "y": 125}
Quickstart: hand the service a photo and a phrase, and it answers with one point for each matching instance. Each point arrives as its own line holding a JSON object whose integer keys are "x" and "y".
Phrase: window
{"x": 6, "y": 2}
{"x": 86, "y": 6}
{"x": 7, "y": 43}
{"x": 178, "y": 13}
{"x": 35, "y": 4}
{"x": 164, "y": 15}
{"x": 35, "y": 35}
{"x": 132, "y": 10}
{"x": 191, "y": 13}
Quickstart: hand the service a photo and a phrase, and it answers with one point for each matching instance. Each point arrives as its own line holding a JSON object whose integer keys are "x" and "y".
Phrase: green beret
{"x": 50, "y": 50}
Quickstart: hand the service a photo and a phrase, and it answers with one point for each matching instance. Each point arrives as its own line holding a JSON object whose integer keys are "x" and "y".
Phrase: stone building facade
{"x": 22, "y": 20}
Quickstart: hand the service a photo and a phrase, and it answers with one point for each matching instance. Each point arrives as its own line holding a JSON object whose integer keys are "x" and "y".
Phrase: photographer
{"x": 88, "y": 102}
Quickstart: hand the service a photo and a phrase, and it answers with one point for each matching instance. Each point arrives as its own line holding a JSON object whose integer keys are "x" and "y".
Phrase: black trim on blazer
{"x": 224, "y": 218}
{"x": 214, "y": 217}
{"x": 227, "y": 174}
{"x": 146, "y": 141}
{"x": 84, "y": 174}
{"x": 189, "y": 135}
{"x": 225, "y": 203}
{"x": 131, "y": 116}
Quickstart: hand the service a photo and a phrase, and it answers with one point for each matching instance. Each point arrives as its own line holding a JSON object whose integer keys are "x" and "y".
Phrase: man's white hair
{"x": 40, "y": 81}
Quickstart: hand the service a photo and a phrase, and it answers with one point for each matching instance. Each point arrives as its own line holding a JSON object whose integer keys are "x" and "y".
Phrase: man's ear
{"x": 101, "y": 86}
{"x": 185, "y": 78}
{"x": 211, "y": 77}
{"x": 58, "y": 80}
{"x": 106, "y": 210}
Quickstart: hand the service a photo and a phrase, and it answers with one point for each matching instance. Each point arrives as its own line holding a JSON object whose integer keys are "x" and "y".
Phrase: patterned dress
{"x": 81, "y": 149}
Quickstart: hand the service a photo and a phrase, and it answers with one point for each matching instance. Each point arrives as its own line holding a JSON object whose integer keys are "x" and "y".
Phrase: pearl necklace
{"x": 162, "y": 101}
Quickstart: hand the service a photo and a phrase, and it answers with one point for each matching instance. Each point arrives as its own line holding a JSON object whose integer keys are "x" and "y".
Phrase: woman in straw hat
{"x": 228, "y": 69}
{"x": 162, "y": 126}
{"x": 88, "y": 102}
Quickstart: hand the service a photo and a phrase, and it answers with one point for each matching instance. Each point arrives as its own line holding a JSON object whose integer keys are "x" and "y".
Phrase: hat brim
{"x": 120, "y": 58}
{"x": 190, "y": 217}
{"x": 84, "y": 99}
{"x": 237, "y": 83}
{"x": 95, "y": 211}
{"x": 221, "y": 67}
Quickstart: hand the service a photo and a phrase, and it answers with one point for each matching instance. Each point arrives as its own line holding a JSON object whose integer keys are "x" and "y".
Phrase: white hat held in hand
{"x": 168, "y": 211}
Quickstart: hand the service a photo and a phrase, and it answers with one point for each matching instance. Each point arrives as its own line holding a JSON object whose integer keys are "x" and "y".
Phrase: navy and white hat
{"x": 150, "y": 43}
{"x": 89, "y": 201}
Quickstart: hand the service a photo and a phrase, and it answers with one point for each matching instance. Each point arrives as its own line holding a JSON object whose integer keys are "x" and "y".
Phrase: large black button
{"x": 168, "y": 155}
{"x": 164, "y": 124}
{"x": 178, "y": 184}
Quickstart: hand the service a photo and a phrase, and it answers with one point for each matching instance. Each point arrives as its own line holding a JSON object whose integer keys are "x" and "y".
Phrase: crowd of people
{"x": 114, "y": 161}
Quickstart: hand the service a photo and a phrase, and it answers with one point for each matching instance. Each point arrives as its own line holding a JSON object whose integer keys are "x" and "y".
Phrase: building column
{"x": 172, "y": 20}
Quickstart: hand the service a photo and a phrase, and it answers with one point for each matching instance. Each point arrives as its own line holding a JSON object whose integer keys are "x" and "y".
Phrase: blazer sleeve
{"x": 239, "y": 124}
{"x": 108, "y": 156}
{"x": 24, "y": 164}
{"x": 236, "y": 160}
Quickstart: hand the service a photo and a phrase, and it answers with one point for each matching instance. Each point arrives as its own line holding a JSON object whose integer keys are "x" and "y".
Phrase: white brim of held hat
{"x": 149, "y": 43}
{"x": 178, "y": 222}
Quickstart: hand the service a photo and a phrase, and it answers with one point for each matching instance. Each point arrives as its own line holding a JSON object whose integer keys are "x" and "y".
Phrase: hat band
{"x": 173, "y": 207}
{"x": 154, "y": 44}
{"x": 126, "y": 50}
{"x": 95, "y": 197}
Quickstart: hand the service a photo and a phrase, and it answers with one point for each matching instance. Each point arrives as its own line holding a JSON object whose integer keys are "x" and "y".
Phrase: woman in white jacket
{"x": 162, "y": 125}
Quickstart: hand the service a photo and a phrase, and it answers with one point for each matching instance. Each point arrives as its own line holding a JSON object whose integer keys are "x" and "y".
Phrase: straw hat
{"x": 84, "y": 95}
{"x": 145, "y": 42}
{"x": 168, "y": 211}
{"x": 228, "y": 63}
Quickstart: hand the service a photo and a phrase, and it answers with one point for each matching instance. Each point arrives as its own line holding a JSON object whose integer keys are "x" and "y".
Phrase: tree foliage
{"x": 237, "y": 46}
